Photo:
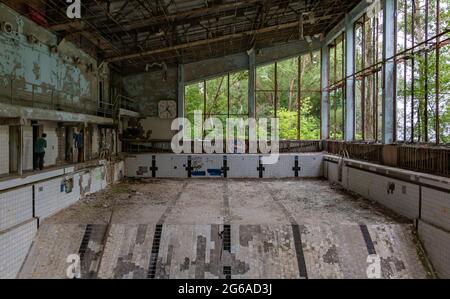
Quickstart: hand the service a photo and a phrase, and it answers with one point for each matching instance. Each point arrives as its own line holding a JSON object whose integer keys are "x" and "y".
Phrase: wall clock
{"x": 167, "y": 109}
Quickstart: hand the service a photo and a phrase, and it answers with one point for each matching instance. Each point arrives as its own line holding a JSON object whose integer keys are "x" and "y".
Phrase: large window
{"x": 423, "y": 71}
{"x": 290, "y": 91}
{"x": 336, "y": 89}
{"x": 368, "y": 32}
{"x": 223, "y": 97}
{"x": 310, "y": 96}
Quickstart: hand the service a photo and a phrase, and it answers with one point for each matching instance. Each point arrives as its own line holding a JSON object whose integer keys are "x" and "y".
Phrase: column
{"x": 349, "y": 129}
{"x": 180, "y": 90}
{"x": 325, "y": 101}
{"x": 21, "y": 149}
{"x": 389, "y": 71}
{"x": 251, "y": 83}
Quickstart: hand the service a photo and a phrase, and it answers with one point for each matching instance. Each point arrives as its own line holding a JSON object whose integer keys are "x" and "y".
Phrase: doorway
{"x": 69, "y": 144}
{"x": 14, "y": 149}
{"x": 37, "y": 131}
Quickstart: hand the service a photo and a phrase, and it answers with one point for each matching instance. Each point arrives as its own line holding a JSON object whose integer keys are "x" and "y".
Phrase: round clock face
{"x": 167, "y": 109}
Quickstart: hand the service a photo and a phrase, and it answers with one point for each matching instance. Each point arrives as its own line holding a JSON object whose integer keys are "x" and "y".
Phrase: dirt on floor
{"x": 213, "y": 228}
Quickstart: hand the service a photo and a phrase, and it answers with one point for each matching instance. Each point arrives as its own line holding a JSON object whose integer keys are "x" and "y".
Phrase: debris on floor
{"x": 225, "y": 228}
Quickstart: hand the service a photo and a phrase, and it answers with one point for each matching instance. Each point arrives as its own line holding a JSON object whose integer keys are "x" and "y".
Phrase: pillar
{"x": 21, "y": 151}
{"x": 251, "y": 83}
{"x": 349, "y": 125}
{"x": 61, "y": 134}
{"x": 325, "y": 100}
{"x": 389, "y": 71}
{"x": 85, "y": 141}
{"x": 180, "y": 90}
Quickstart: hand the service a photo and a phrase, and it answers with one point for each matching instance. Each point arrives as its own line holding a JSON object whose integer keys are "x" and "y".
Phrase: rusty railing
{"x": 421, "y": 158}
{"x": 359, "y": 151}
{"x": 22, "y": 93}
{"x": 156, "y": 146}
{"x": 428, "y": 159}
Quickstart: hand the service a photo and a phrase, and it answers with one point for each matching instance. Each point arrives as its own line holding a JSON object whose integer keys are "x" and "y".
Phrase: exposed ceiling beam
{"x": 203, "y": 42}
{"x": 147, "y": 31}
{"x": 91, "y": 35}
{"x": 77, "y": 25}
{"x": 198, "y": 11}
{"x": 170, "y": 17}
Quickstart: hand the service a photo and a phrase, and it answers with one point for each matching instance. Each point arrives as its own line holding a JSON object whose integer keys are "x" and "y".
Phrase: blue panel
{"x": 215, "y": 172}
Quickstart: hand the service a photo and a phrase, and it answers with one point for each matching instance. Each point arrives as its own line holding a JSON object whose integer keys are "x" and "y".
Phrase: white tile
{"x": 16, "y": 206}
{"x": 4, "y": 149}
{"x": 14, "y": 246}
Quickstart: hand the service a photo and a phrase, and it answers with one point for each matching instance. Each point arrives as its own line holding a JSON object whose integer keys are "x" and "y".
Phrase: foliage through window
{"x": 336, "y": 89}
{"x": 423, "y": 71}
{"x": 223, "y": 97}
{"x": 368, "y": 75}
{"x": 290, "y": 90}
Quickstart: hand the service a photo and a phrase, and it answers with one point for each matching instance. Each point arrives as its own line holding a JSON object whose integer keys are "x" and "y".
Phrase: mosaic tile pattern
{"x": 228, "y": 229}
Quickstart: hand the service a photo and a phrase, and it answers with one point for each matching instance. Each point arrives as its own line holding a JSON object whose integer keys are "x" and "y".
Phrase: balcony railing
{"x": 421, "y": 158}
{"x": 359, "y": 151}
{"x": 429, "y": 159}
{"x": 22, "y": 93}
{"x": 156, "y": 146}
{"x": 127, "y": 103}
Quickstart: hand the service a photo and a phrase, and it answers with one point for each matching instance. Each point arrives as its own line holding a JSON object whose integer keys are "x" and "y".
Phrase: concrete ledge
{"x": 31, "y": 178}
{"x": 129, "y": 113}
{"x": 9, "y": 111}
{"x": 419, "y": 178}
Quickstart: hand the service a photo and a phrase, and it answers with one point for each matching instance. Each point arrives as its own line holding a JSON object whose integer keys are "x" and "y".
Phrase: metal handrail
{"x": 125, "y": 102}
{"x": 19, "y": 92}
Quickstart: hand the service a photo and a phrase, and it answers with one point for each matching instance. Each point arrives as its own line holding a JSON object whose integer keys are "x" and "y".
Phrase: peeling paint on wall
{"x": 33, "y": 62}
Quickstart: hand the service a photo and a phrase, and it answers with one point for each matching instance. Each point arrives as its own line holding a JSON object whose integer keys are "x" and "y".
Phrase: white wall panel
{"x": 437, "y": 245}
{"x": 14, "y": 246}
{"x": 332, "y": 171}
{"x": 243, "y": 166}
{"x": 210, "y": 166}
{"x": 51, "y": 196}
{"x": 4, "y": 149}
{"x": 311, "y": 165}
{"x": 403, "y": 198}
{"x": 27, "y": 154}
{"x": 436, "y": 207}
{"x": 281, "y": 169}
{"x": 16, "y": 206}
